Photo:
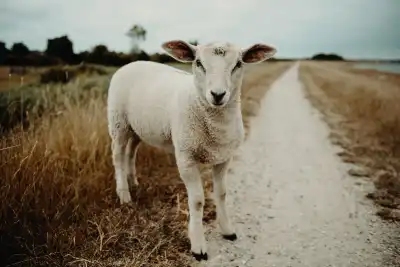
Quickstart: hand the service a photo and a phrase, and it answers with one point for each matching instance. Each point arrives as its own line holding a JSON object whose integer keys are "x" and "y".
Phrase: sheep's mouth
{"x": 218, "y": 104}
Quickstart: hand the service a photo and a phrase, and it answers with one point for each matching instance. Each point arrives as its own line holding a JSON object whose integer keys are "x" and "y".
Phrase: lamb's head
{"x": 218, "y": 67}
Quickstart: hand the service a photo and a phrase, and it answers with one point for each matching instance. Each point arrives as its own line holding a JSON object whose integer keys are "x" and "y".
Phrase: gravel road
{"x": 290, "y": 198}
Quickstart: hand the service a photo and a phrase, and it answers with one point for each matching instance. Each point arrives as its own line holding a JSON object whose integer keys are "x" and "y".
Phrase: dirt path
{"x": 291, "y": 200}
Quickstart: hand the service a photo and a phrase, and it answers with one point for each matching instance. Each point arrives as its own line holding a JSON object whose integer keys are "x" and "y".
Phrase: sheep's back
{"x": 147, "y": 94}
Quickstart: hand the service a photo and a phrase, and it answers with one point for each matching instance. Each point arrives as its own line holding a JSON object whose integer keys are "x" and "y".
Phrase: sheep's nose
{"x": 218, "y": 97}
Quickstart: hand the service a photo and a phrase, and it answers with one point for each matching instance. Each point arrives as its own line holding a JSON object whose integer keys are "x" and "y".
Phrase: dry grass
{"x": 383, "y": 76}
{"x": 364, "y": 115}
{"x": 59, "y": 206}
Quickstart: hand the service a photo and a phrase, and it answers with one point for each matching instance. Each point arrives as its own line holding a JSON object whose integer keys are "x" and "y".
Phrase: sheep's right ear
{"x": 180, "y": 50}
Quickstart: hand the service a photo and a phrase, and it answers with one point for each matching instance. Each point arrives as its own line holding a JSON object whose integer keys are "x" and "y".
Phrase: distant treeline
{"x": 60, "y": 50}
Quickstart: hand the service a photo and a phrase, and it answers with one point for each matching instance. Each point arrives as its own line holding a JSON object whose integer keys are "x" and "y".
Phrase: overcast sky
{"x": 297, "y": 28}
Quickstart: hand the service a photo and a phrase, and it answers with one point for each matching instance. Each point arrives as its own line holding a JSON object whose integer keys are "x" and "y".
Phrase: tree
{"x": 61, "y": 47}
{"x": 193, "y": 42}
{"x": 142, "y": 56}
{"x": 323, "y": 56}
{"x": 3, "y": 53}
{"x": 19, "y": 49}
{"x": 98, "y": 55}
{"x": 137, "y": 33}
{"x": 100, "y": 51}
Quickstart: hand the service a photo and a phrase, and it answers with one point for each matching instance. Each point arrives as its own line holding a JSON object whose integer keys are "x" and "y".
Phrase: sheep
{"x": 195, "y": 116}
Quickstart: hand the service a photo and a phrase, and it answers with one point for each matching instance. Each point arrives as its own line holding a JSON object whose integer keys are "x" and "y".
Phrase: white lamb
{"x": 195, "y": 116}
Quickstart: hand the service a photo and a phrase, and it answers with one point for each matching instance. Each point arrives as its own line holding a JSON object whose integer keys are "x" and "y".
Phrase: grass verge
{"x": 364, "y": 115}
{"x": 59, "y": 204}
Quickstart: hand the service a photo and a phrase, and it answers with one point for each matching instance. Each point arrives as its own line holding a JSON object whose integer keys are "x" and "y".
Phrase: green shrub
{"x": 18, "y": 105}
{"x": 66, "y": 74}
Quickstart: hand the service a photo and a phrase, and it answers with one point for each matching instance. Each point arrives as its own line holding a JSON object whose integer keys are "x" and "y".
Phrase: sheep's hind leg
{"x": 120, "y": 133}
{"x": 131, "y": 151}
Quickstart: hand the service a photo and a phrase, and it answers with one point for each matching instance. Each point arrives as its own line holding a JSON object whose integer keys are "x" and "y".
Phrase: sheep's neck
{"x": 217, "y": 127}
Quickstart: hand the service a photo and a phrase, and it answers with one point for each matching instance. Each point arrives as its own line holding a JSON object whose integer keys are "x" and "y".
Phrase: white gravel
{"x": 290, "y": 198}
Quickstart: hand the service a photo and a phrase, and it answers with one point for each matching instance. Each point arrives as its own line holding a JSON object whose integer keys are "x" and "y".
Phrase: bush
{"x": 327, "y": 57}
{"x": 17, "y": 105}
{"x": 32, "y": 59}
{"x": 66, "y": 74}
{"x": 162, "y": 58}
{"x": 56, "y": 75}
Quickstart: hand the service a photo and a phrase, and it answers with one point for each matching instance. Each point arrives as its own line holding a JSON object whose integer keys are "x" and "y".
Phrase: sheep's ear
{"x": 180, "y": 50}
{"x": 257, "y": 53}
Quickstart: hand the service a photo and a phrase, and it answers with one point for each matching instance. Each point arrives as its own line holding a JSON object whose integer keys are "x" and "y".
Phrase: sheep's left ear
{"x": 257, "y": 53}
{"x": 180, "y": 50}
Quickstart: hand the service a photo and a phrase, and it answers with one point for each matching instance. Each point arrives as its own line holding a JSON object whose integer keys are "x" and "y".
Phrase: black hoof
{"x": 200, "y": 256}
{"x": 231, "y": 237}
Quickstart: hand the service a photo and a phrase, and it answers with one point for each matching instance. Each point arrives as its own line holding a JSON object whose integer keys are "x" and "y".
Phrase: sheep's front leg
{"x": 190, "y": 175}
{"x": 219, "y": 181}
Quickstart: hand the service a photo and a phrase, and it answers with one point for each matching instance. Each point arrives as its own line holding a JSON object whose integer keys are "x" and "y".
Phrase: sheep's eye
{"x": 198, "y": 64}
{"x": 237, "y": 66}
